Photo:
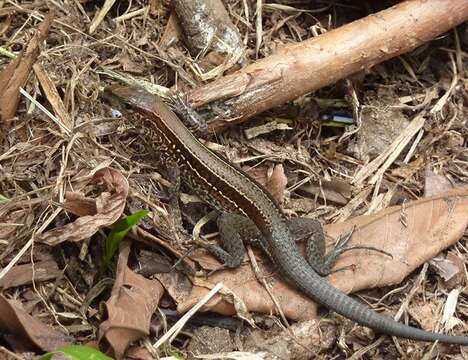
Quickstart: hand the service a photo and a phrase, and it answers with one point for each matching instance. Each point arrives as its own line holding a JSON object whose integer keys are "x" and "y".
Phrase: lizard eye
{"x": 117, "y": 106}
{"x": 116, "y": 113}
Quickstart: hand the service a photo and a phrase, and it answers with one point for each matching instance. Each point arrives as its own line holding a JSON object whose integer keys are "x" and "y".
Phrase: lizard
{"x": 231, "y": 191}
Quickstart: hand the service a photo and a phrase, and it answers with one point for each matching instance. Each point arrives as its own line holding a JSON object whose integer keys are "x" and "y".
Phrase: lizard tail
{"x": 354, "y": 310}
{"x": 299, "y": 272}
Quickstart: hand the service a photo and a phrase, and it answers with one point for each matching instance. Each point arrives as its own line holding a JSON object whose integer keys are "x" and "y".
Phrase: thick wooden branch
{"x": 307, "y": 66}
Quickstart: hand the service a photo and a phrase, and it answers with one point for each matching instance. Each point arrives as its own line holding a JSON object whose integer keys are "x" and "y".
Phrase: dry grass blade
{"x": 173, "y": 331}
{"x": 53, "y": 97}
{"x": 100, "y": 15}
{"x": 130, "y": 307}
{"x": 14, "y": 76}
{"x": 381, "y": 163}
{"x": 62, "y": 125}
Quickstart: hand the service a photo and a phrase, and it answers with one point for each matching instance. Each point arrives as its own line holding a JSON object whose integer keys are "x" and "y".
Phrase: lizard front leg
{"x": 235, "y": 231}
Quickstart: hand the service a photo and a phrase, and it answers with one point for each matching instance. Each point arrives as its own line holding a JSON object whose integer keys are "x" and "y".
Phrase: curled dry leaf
{"x": 79, "y": 205}
{"x": 28, "y": 330}
{"x": 133, "y": 301}
{"x": 109, "y": 207}
{"x": 275, "y": 182}
{"x": 15, "y": 74}
{"x": 413, "y": 234}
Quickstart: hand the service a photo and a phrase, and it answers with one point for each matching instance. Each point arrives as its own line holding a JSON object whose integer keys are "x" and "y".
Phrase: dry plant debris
{"x": 130, "y": 306}
{"x": 397, "y": 172}
{"x": 15, "y": 75}
{"x": 26, "y": 331}
{"x": 107, "y": 209}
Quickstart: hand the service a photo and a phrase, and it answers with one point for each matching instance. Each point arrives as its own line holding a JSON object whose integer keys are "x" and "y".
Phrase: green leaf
{"x": 119, "y": 231}
{"x": 3, "y": 199}
{"x": 77, "y": 352}
{"x": 7, "y": 53}
{"x": 176, "y": 354}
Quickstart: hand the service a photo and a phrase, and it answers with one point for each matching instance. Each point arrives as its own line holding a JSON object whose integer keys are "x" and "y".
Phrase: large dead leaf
{"x": 15, "y": 74}
{"x": 24, "y": 274}
{"x": 133, "y": 301}
{"x": 413, "y": 234}
{"x": 109, "y": 207}
{"x": 27, "y": 330}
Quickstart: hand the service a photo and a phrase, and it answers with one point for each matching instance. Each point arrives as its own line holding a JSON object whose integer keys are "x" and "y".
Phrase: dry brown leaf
{"x": 79, "y": 205}
{"x": 274, "y": 183}
{"x": 133, "y": 301}
{"x": 413, "y": 233}
{"x": 451, "y": 268}
{"x": 435, "y": 183}
{"x": 172, "y": 32}
{"x": 334, "y": 190}
{"x": 277, "y": 182}
{"x": 138, "y": 353}
{"x": 15, "y": 74}
{"x": 432, "y": 224}
{"x": 28, "y": 330}
{"x": 24, "y": 274}
{"x": 109, "y": 205}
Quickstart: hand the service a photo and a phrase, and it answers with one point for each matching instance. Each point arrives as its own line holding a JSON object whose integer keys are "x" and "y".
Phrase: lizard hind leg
{"x": 321, "y": 262}
{"x": 311, "y": 229}
{"x": 244, "y": 228}
{"x": 232, "y": 250}
{"x": 235, "y": 231}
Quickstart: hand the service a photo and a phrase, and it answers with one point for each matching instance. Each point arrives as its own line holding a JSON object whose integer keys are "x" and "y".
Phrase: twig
{"x": 173, "y": 331}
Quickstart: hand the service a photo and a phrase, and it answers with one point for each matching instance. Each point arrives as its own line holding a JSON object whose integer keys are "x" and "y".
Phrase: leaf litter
{"x": 48, "y": 187}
